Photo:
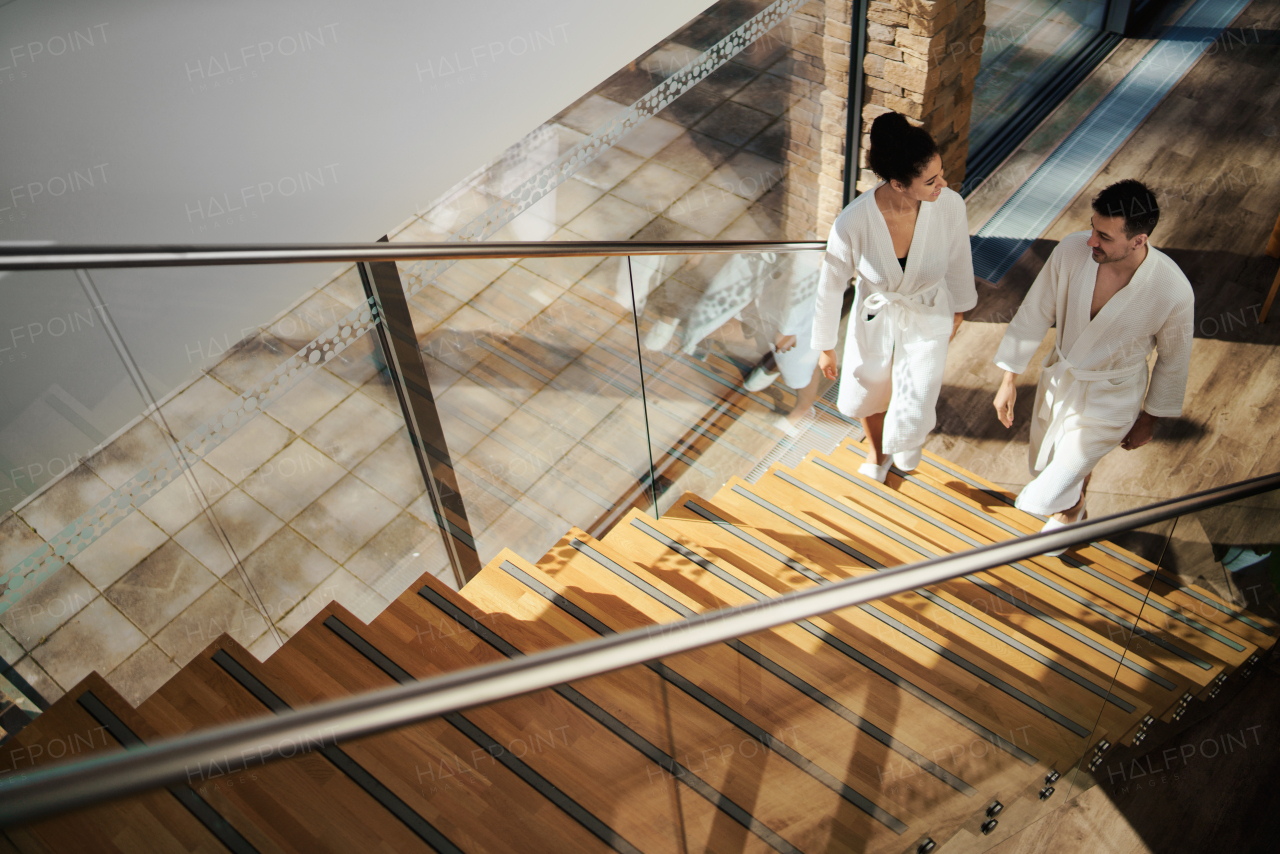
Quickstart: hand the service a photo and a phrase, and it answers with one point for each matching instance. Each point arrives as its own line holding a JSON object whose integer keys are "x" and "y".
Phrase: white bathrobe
{"x": 1094, "y": 382}
{"x": 893, "y": 362}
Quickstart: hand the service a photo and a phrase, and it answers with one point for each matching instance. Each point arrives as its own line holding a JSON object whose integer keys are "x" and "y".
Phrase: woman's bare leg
{"x": 1073, "y": 514}
{"x": 805, "y": 398}
{"x": 873, "y": 429}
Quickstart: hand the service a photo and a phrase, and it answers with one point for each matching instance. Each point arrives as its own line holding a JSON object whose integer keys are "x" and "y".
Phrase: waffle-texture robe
{"x": 1094, "y": 382}
{"x": 896, "y": 347}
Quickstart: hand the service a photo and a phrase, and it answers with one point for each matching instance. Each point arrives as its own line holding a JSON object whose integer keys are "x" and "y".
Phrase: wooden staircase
{"x": 898, "y": 726}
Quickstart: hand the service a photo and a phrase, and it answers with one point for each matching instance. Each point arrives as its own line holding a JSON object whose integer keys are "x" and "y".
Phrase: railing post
{"x": 382, "y": 285}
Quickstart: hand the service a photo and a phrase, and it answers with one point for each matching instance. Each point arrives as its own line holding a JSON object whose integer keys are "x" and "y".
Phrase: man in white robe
{"x": 1113, "y": 298}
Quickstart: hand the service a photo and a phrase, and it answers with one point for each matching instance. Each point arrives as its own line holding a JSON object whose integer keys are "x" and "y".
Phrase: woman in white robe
{"x": 907, "y": 243}
{"x": 1094, "y": 383}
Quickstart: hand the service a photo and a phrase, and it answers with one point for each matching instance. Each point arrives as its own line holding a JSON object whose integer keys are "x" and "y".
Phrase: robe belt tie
{"x": 907, "y": 311}
{"x": 1064, "y": 387}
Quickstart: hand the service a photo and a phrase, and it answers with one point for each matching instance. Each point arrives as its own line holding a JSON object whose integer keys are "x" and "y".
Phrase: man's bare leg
{"x": 873, "y": 429}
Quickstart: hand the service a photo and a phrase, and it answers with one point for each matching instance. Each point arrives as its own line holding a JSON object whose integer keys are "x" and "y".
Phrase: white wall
{"x": 146, "y": 121}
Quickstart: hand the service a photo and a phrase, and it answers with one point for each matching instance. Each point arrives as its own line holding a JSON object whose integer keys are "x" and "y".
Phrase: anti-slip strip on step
{"x": 1100, "y": 546}
{"x": 646, "y": 748}
{"x": 799, "y": 684}
{"x": 196, "y": 805}
{"x": 955, "y": 610}
{"x": 490, "y": 745}
{"x": 958, "y": 660}
{"x": 422, "y": 828}
{"x": 725, "y": 711}
{"x": 1110, "y": 653}
{"x": 849, "y": 651}
{"x": 1039, "y": 201}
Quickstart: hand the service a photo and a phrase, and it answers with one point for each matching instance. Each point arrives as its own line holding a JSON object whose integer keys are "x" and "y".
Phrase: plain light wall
{"x": 142, "y": 121}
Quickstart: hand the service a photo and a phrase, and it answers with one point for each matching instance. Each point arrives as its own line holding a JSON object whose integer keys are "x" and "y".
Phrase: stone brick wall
{"x": 922, "y": 58}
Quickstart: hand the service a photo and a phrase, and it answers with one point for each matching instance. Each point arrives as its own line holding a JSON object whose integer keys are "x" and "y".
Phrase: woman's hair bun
{"x": 900, "y": 151}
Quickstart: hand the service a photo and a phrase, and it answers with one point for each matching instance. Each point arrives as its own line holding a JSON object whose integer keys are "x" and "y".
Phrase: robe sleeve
{"x": 1035, "y": 316}
{"x": 1173, "y": 360}
{"x": 839, "y": 264}
{"x": 960, "y": 281}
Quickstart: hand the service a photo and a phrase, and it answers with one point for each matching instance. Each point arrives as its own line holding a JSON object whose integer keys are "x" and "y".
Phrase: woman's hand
{"x": 827, "y": 364}
{"x": 783, "y": 343}
{"x": 1005, "y": 399}
{"x": 955, "y": 324}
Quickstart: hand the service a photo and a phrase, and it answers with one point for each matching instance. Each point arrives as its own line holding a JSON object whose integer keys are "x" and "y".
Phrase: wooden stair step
{"x": 303, "y": 803}
{"x": 799, "y": 800}
{"x": 605, "y": 763}
{"x": 1076, "y": 650}
{"x": 1055, "y": 734}
{"x": 705, "y": 584}
{"x": 1034, "y": 584}
{"x": 158, "y": 820}
{"x": 1119, "y": 563}
{"x": 468, "y": 785}
{"x": 1071, "y": 700}
{"x": 1163, "y": 621}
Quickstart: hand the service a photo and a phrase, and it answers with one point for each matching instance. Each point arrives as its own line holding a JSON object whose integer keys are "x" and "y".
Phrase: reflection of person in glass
{"x": 907, "y": 242}
{"x": 786, "y": 307}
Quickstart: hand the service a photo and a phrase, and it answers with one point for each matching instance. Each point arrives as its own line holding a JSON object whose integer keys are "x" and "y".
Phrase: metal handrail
{"x": 53, "y": 789}
{"x": 14, "y": 257}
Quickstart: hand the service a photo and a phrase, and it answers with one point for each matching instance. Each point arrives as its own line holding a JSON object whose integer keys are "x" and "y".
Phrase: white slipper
{"x": 792, "y": 430}
{"x": 908, "y": 460}
{"x": 760, "y": 379}
{"x": 660, "y": 334}
{"x": 876, "y": 472}
{"x": 1053, "y": 524}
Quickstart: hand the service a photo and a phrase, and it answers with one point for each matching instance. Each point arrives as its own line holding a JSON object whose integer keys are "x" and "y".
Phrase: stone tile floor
{"x": 534, "y": 365}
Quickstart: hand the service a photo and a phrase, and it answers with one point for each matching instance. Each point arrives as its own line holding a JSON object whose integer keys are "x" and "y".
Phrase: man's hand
{"x": 827, "y": 364}
{"x": 1005, "y": 399}
{"x": 783, "y": 343}
{"x": 1141, "y": 432}
{"x": 955, "y": 324}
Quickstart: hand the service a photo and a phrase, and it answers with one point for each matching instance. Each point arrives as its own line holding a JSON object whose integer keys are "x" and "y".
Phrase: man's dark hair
{"x": 1132, "y": 200}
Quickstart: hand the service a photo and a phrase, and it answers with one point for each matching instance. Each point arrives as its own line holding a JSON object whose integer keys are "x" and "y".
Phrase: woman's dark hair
{"x": 899, "y": 151}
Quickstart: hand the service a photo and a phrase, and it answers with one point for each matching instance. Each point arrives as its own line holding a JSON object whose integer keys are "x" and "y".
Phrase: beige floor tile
{"x": 756, "y": 223}
{"x": 464, "y": 279}
{"x": 380, "y": 390}
{"x": 768, "y": 94}
{"x": 610, "y": 218}
{"x": 528, "y": 226}
{"x": 98, "y": 638}
{"x": 120, "y": 461}
{"x": 47, "y": 606}
{"x": 353, "y": 430}
{"x": 218, "y": 610}
{"x": 251, "y": 445}
{"x": 521, "y": 450}
{"x": 695, "y": 154}
{"x": 17, "y": 541}
{"x": 122, "y": 547}
{"x": 10, "y": 649}
{"x": 610, "y": 167}
{"x": 251, "y": 361}
{"x": 160, "y": 587}
{"x": 198, "y": 404}
{"x": 246, "y": 523}
{"x": 283, "y": 572}
{"x": 469, "y": 412}
{"x": 746, "y": 175}
{"x": 308, "y": 321}
{"x": 40, "y": 681}
{"x": 563, "y": 272}
{"x": 589, "y": 114}
{"x": 346, "y": 289}
{"x": 418, "y": 230}
{"x": 401, "y": 553}
{"x": 516, "y": 298}
{"x": 456, "y": 342}
{"x": 142, "y": 674}
{"x": 178, "y": 503}
{"x": 292, "y": 479}
{"x": 650, "y": 137}
{"x": 430, "y": 307}
{"x": 707, "y": 209}
{"x": 528, "y": 530}
{"x": 571, "y": 198}
{"x": 358, "y": 361}
{"x": 343, "y": 587}
{"x": 309, "y": 400}
{"x": 393, "y": 470}
{"x": 266, "y": 646}
{"x": 344, "y": 518}
{"x": 66, "y": 501}
{"x": 654, "y": 187}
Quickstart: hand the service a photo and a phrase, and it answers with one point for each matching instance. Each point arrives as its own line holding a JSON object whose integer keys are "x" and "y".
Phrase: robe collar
{"x": 899, "y": 279}
{"x": 1094, "y": 331}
